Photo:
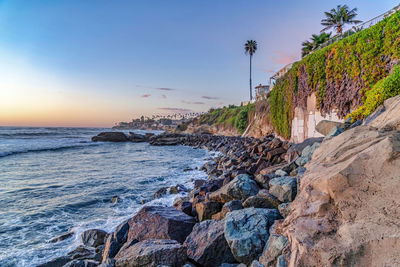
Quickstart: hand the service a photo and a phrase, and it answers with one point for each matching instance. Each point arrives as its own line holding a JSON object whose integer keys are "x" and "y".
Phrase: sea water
{"x": 55, "y": 180}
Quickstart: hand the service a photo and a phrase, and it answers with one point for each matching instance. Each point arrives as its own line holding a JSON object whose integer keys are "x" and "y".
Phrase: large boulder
{"x": 241, "y": 188}
{"x": 247, "y": 232}
{"x": 262, "y": 200}
{"x": 283, "y": 188}
{"x": 325, "y": 126}
{"x": 228, "y": 207}
{"x": 348, "y": 210}
{"x": 115, "y": 241}
{"x": 206, "y": 244}
{"x": 152, "y": 253}
{"x": 159, "y": 222}
{"x": 110, "y": 137}
{"x": 93, "y": 237}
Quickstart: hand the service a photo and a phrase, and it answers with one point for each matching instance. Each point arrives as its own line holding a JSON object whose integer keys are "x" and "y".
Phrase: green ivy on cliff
{"x": 232, "y": 116}
{"x": 341, "y": 74}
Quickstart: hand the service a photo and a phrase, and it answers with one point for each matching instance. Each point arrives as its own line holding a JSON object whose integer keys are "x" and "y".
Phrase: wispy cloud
{"x": 145, "y": 96}
{"x": 193, "y": 103}
{"x": 165, "y": 89}
{"x": 177, "y": 110}
{"x": 283, "y": 58}
{"x": 163, "y": 96}
{"x": 209, "y": 97}
{"x": 220, "y": 103}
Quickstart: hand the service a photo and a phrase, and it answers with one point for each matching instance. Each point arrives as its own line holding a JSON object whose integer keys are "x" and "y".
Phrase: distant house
{"x": 280, "y": 73}
{"x": 261, "y": 91}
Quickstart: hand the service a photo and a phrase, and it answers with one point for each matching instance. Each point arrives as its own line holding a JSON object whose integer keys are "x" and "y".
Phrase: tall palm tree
{"x": 338, "y": 17}
{"x": 250, "y": 48}
{"x": 315, "y": 42}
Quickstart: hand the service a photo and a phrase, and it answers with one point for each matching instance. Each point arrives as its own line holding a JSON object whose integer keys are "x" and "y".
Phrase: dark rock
{"x": 137, "y": 138}
{"x": 206, "y": 244}
{"x": 283, "y": 188}
{"x": 210, "y": 186}
{"x": 61, "y": 237}
{"x": 206, "y": 209}
{"x": 183, "y": 205}
{"x": 57, "y": 262}
{"x": 108, "y": 263}
{"x": 160, "y": 192}
{"x": 177, "y": 189}
{"x": 161, "y": 223}
{"x": 241, "y": 188}
{"x": 296, "y": 149}
{"x": 111, "y": 248}
{"x": 110, "y": 137}
{"x": 93, "y": 237}
{"x": 263, "y": 179}
{"x": 334, "y": 132}
{"x": 256, "y": 263}
{"x": 83, "y": 252}
{"x": 281, "y": 261}
{"x": 198, "y": 183}
{"x": 115, "y": 199}
{"x": 152, "y": 252}
{"x": 259, "y": 201}
{"x": 306, "y": 154}
{"x": 82, "y": 263}
{"x": 247, "y": 232}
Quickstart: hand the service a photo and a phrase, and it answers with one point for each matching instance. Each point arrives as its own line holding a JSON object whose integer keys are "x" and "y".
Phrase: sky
{"x": 94, "y": 63}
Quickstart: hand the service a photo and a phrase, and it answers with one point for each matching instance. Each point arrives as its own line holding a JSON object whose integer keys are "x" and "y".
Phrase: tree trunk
{"x": 251, "y": 91}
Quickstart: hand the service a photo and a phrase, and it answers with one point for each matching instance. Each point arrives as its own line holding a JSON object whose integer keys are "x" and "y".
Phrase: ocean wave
{"x": 45, "y": 149}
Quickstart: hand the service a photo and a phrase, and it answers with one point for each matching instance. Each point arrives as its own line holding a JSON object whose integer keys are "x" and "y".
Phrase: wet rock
{"x": 160, "y": 223}
{"x": 284, "y": 209}
{"x": 57, "y": 262}
{"x": 152, "y": 253}
{"x": 160, "y": 192}
{"x": 274, "y": 247}
{"x": 83, "y": 252}
{"x": 61, "y": 237}
{"x": 228, "y": 207}
{"x": 206, "y": 209}
{"x": 82, "y": 263}
{"x": 110, "y": 137}
{"x": 241, "y": 188}
{"x": 247, "y": 232}
{"x": 115, "y": 199}
{"x": 136, "y": 138}
{"x": 93, "y": 237}
{"x": 283, "y": 188}
{"x": 206, "y": 244}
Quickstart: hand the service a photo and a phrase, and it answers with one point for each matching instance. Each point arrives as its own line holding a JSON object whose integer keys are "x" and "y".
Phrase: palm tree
{"x": 315, "y": 43}
{"x": 250, "y": 48}
{"x": 338, "y": 17}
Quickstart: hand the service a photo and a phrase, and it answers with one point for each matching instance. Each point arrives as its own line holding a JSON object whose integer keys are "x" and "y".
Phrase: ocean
{"x": 55, "y": 180}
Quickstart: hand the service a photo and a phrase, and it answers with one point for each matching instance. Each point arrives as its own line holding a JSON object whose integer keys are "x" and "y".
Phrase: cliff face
{"x": 348, "y": 210}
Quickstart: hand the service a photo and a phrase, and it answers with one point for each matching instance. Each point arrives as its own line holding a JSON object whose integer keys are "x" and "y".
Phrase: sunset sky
{"x": 94, "y": 63}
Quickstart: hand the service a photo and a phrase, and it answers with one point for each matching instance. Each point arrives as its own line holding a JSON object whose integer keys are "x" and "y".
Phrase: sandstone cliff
{"x": 348, "y": 210}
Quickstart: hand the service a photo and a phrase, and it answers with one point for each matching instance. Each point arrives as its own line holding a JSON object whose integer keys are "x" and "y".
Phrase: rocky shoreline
{"x": 261, "y": 207}
{"x": 225, "y": 220}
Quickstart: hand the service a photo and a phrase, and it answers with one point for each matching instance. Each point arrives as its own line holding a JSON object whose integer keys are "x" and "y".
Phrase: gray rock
{"x": 334, "y": 132}
{"x": 57, "y": 262}
{"x": 241, "y": 188}
{"x": 160, "y": 223}
{"x": 82, "y": 263}
{"x": 281, "y": 173}
{"x": 284, "y": 209}
{"x": 262, "y": 200}
{"x": 306, "y": 154}
{"x": 263, "y": 179}
{"x": 256, "y": 263}
{"x": 247, "y": 232}
{"x": 108, "y": 263}
{"x": 160, "y": 192}
{"x": 283, "y": 188}
{"x": 281, "y": 261}
{"x": 274, "y": 247}
{"x": 82, "y": 252}
{"x": 206, "y": 244}
{"x": 152, "y": 253}
{"x": 325, "y": 126}
{"x": 61, "y": 237}
{"x": 93, "y": 237}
